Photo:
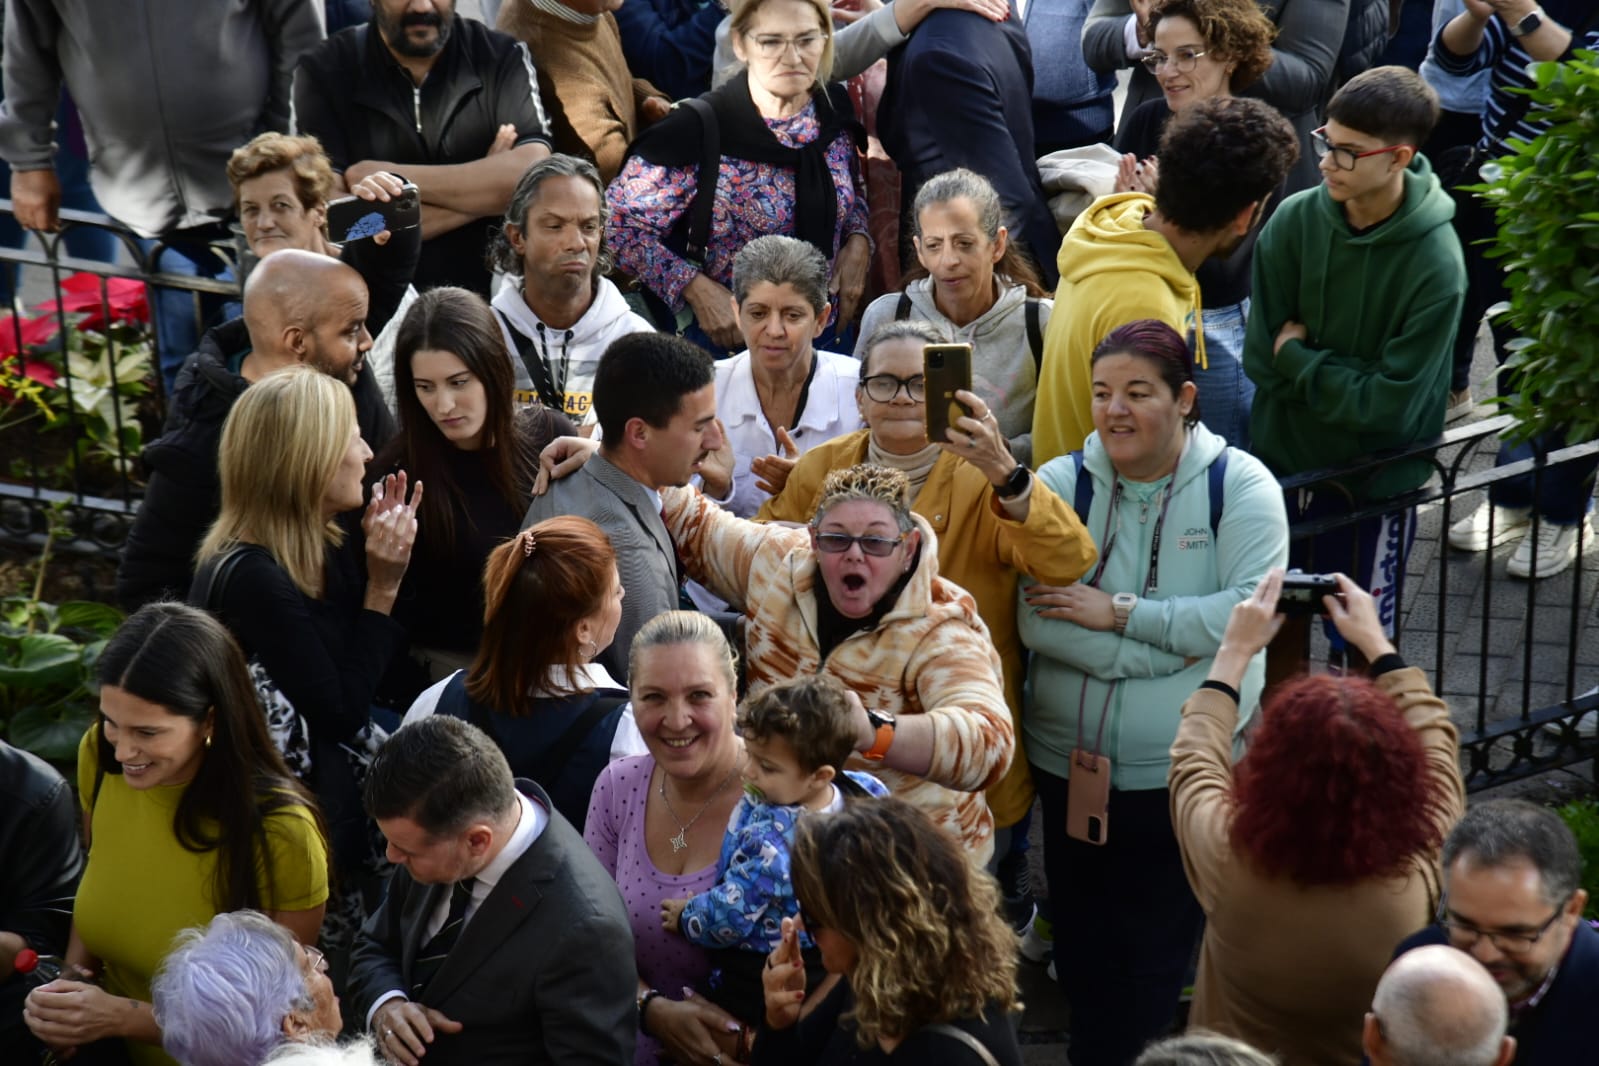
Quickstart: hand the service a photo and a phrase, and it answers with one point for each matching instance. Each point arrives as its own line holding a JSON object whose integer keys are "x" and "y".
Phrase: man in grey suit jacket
{"x": 655, "y": 399}
{"x": 502, "y": 939}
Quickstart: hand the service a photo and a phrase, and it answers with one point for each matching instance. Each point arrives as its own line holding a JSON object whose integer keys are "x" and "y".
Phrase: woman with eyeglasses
{"x": 1186, "y": 527}
{"x": 787, "y": 164}
{"x": 992, "y": 518}
{"x": 857, "y": 594}
{"x": 1203, "y": 49}
{"x": 1318, "y": 851}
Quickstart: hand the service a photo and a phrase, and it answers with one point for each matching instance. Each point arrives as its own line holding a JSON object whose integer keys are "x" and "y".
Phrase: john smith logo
{"x": 1193, "y": 537}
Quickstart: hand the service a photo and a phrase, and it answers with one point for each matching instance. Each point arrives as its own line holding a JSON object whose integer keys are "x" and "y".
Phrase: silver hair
{"x": 958, "y": 183}
{"x": 780, "y": 260}
{"x": 1438, "y": 1007}
{"x": 223, "y": 991}
{"x": 685, "y": 627}
{"x": 1502, "y": 832}
{"x": 900, "y": 329}
{"x": 358, "y": 1052}
{"x": 1200, "y": 1048}
{"x": 501, "y": 256}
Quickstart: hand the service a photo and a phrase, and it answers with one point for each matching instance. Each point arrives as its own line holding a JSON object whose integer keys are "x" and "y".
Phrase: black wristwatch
{"x": 1014, "y": 485}
{"x": 1528, "y": 24}
{"x": 647, "y": 997}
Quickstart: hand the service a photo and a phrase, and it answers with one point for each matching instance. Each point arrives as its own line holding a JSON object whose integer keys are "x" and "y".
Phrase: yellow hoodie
{"x": 1112, "y": 271}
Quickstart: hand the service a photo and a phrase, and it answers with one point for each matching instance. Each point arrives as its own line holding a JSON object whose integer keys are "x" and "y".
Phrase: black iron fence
{"x": 80, "y": 384}
{"x": 80, "y": 392}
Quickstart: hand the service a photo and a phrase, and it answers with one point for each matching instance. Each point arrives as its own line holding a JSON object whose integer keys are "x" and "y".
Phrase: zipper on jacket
{"x": 416, "y": 105}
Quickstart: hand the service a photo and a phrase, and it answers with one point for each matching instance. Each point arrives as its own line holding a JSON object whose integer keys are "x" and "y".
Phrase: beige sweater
{"x": 1287, "y": 968}
{"x": 584, "y": 63}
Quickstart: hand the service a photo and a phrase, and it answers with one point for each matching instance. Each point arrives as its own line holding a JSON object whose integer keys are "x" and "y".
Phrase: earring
{"x": 594, "y": 649}
{"x": 208, "y": 740}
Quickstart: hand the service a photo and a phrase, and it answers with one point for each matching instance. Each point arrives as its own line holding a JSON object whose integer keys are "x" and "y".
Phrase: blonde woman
{"x": 926, "y": 966}
{"x": 284, "y": 574}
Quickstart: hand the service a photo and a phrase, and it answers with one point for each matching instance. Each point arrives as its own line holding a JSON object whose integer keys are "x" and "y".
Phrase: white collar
{"x": 531, "y": 822}
{"x": 560, "y": 682}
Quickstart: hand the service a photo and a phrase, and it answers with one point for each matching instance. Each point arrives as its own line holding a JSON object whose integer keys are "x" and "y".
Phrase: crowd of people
{"x": 556, "y": 636}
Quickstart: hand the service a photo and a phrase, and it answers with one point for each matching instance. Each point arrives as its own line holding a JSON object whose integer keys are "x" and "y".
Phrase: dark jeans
{"x": 1564, "y": 493}
{"x": 181, "y": 315}
{"x": 1125, "y": 922}
{"x": 1485, "y": 284}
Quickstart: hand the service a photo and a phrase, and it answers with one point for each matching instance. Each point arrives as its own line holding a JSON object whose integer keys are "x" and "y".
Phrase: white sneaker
{"x": 1555, "y": 550}
{"x": 1470, "y": 534}
{"x": 1038, "y": 942}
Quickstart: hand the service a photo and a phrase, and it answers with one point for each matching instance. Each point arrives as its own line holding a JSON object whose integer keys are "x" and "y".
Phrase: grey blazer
{"x": 543, "y": 972}
{"x": 645, "y": 558}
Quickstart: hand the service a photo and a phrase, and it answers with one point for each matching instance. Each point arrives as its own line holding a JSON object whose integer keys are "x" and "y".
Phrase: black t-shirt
{"x": 1222, "y": 282}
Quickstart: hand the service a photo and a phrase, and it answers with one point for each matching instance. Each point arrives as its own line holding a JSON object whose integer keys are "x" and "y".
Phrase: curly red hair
{"x": 1334, "y": 788}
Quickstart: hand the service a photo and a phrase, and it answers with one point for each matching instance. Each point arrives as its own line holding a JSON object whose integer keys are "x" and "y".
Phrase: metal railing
{"x": 75, "y": 468}
{"x": 1517, "y": 660}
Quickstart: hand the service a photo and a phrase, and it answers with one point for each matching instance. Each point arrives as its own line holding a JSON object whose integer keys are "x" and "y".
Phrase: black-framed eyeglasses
{"x": 1346, "y": 158}
{"x": 884, "y": 387}
{"x": 1182, "y": 60}
{"x": 1463, "y": 935}
{"x": 839, "y": 543}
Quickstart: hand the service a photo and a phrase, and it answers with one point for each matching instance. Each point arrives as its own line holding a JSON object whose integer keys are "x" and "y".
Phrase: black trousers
{"x": 1125, "y": 922}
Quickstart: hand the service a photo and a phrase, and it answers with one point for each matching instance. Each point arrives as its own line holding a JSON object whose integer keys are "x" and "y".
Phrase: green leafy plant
{"x": 1546, "y": 197}
{"x": 1583, "y": 818}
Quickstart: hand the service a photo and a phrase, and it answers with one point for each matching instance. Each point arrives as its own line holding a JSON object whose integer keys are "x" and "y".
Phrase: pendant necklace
{"x": 680, "y": 841}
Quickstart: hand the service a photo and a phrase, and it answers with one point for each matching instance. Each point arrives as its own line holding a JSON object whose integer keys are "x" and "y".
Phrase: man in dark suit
{"x": 502, "y": 939}
{"x": 655, "y": 399}
{"x": 960, "y": 94}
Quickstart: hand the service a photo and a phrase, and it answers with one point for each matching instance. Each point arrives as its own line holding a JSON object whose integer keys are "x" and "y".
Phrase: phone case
{"x": 945, "y": 368}
{"x": 1088, "y": 798}
{"x": 351, "y": 218}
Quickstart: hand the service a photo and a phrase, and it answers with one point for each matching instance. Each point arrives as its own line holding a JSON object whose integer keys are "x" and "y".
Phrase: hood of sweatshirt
{"x": 1006, "y": 316}
{"x": 607, "y": 318}
{"x": 1110, "y": 238}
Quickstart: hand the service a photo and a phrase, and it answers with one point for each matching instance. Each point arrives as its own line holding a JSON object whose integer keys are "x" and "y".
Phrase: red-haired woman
{"x": 553, "y": 601}
{"x": 1319, "y": 850}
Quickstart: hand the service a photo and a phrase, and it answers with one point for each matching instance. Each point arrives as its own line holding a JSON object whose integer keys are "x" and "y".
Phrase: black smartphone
{"x": 351, "y": 218}
{"x": 1302, "y": 592}
{"x": 945, "y": 368}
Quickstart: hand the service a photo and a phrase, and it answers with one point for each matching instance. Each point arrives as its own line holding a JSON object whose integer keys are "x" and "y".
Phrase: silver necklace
{"x": 680, "y": 841}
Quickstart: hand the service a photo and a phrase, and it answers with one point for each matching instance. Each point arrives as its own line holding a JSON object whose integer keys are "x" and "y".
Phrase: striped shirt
{"x": 1506, "y": 116}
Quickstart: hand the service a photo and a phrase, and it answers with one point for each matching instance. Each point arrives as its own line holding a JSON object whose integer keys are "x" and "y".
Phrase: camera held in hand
{"x": 1302, "y": 593}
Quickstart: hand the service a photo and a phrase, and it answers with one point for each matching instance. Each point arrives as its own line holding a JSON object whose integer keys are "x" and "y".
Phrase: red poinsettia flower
{"x": 81, "y": 293}
{"x": 33, "y": 332}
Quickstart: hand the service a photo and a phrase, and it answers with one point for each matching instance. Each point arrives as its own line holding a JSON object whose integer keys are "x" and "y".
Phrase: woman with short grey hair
{"x": 232, "y": 991}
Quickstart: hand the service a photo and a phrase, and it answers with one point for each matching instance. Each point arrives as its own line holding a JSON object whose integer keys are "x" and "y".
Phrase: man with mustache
{"x": 560, "y": 318}
{"x": 445, "y": 102}
{"x": 655, "y": 398}
{"x": 1513, "y": 900}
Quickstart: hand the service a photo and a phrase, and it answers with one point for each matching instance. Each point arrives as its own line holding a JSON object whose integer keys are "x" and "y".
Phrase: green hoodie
{"x": 1112, "y": 271}
{"x": 1381, "y": 309}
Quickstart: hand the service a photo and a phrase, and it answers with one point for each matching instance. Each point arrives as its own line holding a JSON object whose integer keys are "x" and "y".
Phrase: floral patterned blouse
{"x": 752, "y": 200}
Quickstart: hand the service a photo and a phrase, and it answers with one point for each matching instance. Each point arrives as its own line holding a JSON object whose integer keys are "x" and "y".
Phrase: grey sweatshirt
{"x": 167, "y": 89}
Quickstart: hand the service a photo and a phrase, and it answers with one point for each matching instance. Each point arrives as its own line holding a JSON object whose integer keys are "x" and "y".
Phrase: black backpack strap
{"x": 1083, "y": 490}
{"x": 1218, "y": 491}
{"x": 700, "y": 209}
{"x": 538, "y": 371}
{"x": 1035, "y": 334}
{"x": 216, "y": 585}
{"x": 555, "y": 758}
{"x": 902, "y": 307}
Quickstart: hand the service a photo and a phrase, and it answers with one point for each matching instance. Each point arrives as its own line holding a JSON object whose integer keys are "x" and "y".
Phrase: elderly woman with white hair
{"x": 233, "y": 991}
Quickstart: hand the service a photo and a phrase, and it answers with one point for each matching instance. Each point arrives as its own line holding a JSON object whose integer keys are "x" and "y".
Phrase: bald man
{"x": 1437, "y": 1006}
{"x": 299, "y": 307}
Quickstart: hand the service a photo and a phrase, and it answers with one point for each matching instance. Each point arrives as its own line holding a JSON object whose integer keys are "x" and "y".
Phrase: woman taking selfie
{"x": 1186, "y": 528}
{"x": 926, "y": 966}
{"x": 189, "y": 811}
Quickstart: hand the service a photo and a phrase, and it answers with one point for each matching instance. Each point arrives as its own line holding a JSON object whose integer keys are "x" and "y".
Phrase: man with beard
{"x": 564, "y": 313}
{"x": 655, "y": 398}
{"x": 445, "y": 102}
{"x": 1132, "y": 256}
{"x": 299, "y": 307}
{"x": 1513, "y": 900}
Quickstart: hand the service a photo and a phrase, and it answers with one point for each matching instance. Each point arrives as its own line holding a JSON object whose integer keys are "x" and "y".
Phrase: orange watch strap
{"x": 880, "y": 746}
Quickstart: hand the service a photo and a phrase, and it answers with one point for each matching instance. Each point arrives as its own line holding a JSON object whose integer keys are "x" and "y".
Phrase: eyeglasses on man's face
{"x": 884, "y": 387}
{"x": 1464, "y": 935}
{"x": 771, "y": 46}
{"x": 1346, "y": 158}
{"x": 839, "y": 543}
{"x": 1182, "y": 60}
